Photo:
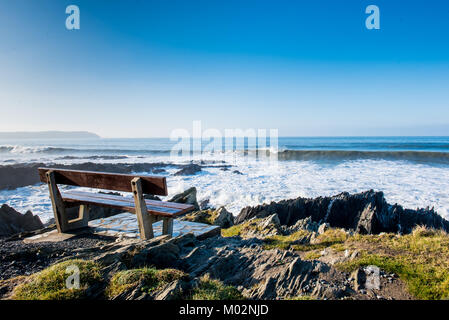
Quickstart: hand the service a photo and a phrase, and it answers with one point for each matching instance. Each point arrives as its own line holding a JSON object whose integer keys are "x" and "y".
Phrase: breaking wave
{"x": 59, "y": 150}
{"x": 332, "y": 155}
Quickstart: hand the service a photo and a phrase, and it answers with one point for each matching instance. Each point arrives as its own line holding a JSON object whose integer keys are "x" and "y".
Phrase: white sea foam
{"x": 409, "y": 184}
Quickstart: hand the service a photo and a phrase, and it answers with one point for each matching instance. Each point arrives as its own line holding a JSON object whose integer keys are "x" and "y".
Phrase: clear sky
{"x": 307, "y": 68}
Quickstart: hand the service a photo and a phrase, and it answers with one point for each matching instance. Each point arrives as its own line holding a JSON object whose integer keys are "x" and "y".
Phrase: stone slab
{"x": 125, "y": 225}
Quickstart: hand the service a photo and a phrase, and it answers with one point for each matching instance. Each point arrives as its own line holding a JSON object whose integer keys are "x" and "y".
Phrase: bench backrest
{"x": 103, "y": 180}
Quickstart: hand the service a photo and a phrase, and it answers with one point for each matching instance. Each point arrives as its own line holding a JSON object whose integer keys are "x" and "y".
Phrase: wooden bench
{"x": 147, "y": 211}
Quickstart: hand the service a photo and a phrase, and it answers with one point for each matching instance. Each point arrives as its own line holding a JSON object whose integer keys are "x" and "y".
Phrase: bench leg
{"x": 84, "y": 215}
{"x": 63, "y": 224}
{"x": 57, "y": 203}
{"x": 167, "y": 226}
{"x": 83, "y": 218}
{"x": 144, "y": 219}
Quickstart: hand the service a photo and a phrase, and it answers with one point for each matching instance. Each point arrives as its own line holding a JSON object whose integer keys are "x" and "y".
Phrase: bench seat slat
{"x": 119, "y": 202}
{"x": 181, "y": 206}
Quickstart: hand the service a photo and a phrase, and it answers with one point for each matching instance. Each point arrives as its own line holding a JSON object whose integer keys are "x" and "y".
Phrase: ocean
{"x": 411, "y": 171}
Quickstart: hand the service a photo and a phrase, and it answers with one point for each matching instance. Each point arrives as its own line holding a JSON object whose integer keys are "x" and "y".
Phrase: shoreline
{"x": 243, "y": 183}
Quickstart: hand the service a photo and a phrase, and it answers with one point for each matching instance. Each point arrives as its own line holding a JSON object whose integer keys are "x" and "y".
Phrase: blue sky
{"x": 307, "y": 68}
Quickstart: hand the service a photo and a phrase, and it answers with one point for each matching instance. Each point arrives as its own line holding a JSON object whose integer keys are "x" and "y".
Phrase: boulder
{"x": 261, "y": 228}
{"x": 303, "y": 224}
{"x": 323, "y": 227}
{"x": 359, "y": 277}
{"x": 189, "y": 170}
{"x": 13, "y": 222}
{"x": 161, "y": 256}
{"x": 205, "y": 204}
{"x": 220, "y": 217}
{"x": 188, "y": 197}
{"x": 224, "y": 218}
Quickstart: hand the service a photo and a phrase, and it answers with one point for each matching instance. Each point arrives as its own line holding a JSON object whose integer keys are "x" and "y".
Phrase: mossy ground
{"x": 248, "y": 227}
{"x": 204, "y": 216}
{"x": 50, "y": 284}
{"x": 420, "y": 259}
{"x": 329, "y": 238}
{"x": 150, "y": 277}
{"x": 303, "y": 297}
{"x": 210, "y": 289}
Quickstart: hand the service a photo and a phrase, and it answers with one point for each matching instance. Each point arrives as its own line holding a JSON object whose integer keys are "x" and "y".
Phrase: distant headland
{"x": 49, "y": 135}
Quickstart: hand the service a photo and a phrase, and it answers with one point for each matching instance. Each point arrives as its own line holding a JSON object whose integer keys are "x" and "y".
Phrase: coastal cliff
{"x": 283, "y": 250}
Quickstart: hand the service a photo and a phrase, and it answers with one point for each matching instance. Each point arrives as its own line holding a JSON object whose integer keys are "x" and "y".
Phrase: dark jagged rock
{"x": 205, "y": 204}
{"x": 189, "y": 170}
{"x": 258, "y": 273}
{"x": 224, "y": 218}
{"x": 151, "y": 197}
{"x": 13, "y": 222}
{"x": 24, "y": 174}
{"x": 188, "y": 197}
{"x": 366, "y": 212}
{"x": 220, "y": 217}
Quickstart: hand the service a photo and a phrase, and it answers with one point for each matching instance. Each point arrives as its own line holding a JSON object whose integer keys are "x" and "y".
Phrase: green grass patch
{"x": 242, "y": 229}
{"x": 151, "y": 278}
{"x": 285, "y": 242}
{"x": 204, "y": 216}
{"x": 209, "y": 289}
{"x": 303, "y": 297}
{"x": 332, "y": 237}
{"x": 312, "y": 255}
{"x": 50, "y": 283}
{"x": 420, "y": 259}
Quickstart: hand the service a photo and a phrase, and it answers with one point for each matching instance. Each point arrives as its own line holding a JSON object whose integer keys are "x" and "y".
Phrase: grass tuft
{"x": 209, "y": 289}
{"x": 285, "y": 242}
{"x": 332, "y": 237}
{"x": 420, "y": 259}
{"x": 303, "y": 297}
{"x": 50, "y": 283}
{"x": 207, "y": 216}
{"x": 150, "y": 277}
{"x": 242, "y": 229}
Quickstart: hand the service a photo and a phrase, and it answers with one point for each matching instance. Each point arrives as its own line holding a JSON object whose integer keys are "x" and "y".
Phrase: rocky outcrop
{"x": 244, "y": 264}
{"x": 262, "y": 228}
{"x": 223, "y": 218}
{"x": 220, "y": 217}
{"x": 366, "y": 213}
{"x": 259, "y": 273}
{"x": 188, "y": 197}
{"x": 189, "y": 170}
{"x": 13, "y": 222}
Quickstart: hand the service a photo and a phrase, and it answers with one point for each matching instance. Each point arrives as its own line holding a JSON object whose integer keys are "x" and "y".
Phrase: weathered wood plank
{"x": 180, "y": 206}
{"x": 145, "y": 220}
{"x": 167, "y": 226}
{"x": 120, "y": 203}
{"x": 57, "y": 202}
{"x": 103, "y": 180}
